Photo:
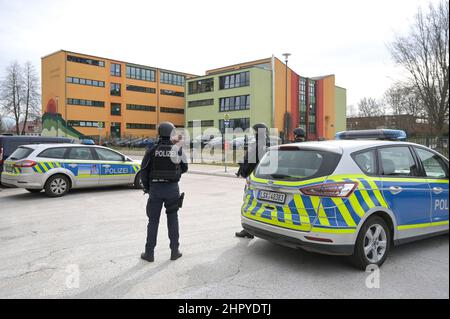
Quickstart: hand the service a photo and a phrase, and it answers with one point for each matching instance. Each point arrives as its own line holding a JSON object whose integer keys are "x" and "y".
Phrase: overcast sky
{"x": 347, "y": 38}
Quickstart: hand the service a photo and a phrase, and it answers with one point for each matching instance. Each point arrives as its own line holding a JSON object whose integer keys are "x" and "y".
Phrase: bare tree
{"x": 369, "y": 107}
{"x": 404, "y": 99}
{"x": 424, "y": 53}
{"x": 19, "y": 94}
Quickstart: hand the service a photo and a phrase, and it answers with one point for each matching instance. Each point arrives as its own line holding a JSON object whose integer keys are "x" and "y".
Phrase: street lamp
{"x": 286, "y": 124}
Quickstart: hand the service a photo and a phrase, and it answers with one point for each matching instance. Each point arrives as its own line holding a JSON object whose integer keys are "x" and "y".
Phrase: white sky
{"x": 346, "y": 37}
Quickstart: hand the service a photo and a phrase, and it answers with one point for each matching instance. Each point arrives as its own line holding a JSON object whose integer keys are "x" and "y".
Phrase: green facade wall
{"x": 260, "y": 90}
{"x": 341, "y": 109}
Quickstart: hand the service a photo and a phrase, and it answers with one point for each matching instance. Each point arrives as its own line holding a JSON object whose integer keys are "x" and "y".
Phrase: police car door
{"x": 80, "y": 161}
{"x": 406, "y": 192}
{"x": 114, "y": 170}
{"x": 436, "y": 170}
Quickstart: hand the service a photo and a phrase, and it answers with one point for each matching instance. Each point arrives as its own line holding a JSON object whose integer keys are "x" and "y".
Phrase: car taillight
{"x": 344, "y": 189}
{"x": 25, "y": 163}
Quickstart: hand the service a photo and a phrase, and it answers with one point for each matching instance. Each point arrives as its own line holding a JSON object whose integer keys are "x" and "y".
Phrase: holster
{"x": 173, "y": 206}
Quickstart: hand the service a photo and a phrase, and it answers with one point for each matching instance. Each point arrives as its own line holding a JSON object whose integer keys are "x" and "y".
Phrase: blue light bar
{"x": 381, "y": 134}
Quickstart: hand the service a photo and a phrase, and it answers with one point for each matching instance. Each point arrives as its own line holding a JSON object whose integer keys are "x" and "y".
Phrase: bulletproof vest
{"x": 165, "y": 165}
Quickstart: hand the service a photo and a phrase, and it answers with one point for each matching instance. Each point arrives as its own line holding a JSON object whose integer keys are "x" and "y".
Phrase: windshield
{"x": 296, "y": 164}
{"x": 20, "y": 153}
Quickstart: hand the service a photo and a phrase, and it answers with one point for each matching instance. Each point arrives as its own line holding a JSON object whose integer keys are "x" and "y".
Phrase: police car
{"x": 348, "y": 196}
{"x": 59, "y": 168}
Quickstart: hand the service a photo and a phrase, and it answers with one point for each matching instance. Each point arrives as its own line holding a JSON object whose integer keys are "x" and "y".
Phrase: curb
{"x": 229, "y": 175}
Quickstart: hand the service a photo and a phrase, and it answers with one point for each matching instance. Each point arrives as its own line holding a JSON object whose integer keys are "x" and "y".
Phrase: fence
{"x": 437, "y": 143}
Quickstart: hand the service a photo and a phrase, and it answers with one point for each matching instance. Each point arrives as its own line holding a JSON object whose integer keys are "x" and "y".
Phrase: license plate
{"x": 272, "y": 197}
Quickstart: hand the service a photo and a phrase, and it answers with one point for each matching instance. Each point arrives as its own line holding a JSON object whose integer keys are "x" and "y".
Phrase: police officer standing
{"x": 252, "y": 156}
{"x": 161, "y": 171}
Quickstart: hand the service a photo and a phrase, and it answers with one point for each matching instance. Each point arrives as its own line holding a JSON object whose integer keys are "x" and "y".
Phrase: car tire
{"x": 33, "y": 191}
{"x": 57, "y": 186}
{"x": 137, "y": 181}
{"x": 371, "y": 249}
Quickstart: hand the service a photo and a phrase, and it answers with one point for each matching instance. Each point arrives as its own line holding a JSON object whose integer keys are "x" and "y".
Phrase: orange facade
{"x": 59, "y": 91}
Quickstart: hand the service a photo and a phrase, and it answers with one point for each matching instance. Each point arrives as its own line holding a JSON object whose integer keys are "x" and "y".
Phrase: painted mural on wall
{"x": 53, "y": 124}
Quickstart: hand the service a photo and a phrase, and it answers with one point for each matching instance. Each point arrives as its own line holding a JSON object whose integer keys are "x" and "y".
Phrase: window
{"x": 397, "y": 161}
{"x": 201, "y": 86}
{"x": 137, "y": 107}
{"x": 93, "y": 62}
{"x": 234, "y": 80}
{"x": 235, "y": 103}
{"x": 173, "y": 93}
{"x": 81, "y": 123}
{"x": 115, "y": 89}
{"x": 243, "y": 123}
{"x": 141, "y": 126}
{"x": 21, "y": 153}
{"x": 107, "y": 155}
{"x": 87, "y": 82}
{"x": 172, "y": 110}
{"x": 203, "y": 123}
{"x": 366, "y": 162}
{"x": 141, "y": 89}
{"x": 115, "y": 108}
{"x": 115, "y": 69}
{"x": 82, "y": 102}
{"x": 139, "y": 73}
{"x": 201, "y": 103}
{"x": 53, "y": 153}
{"x": 433, "y": 165}
{"x": 172, "y": 78}
{"x": 80, "y": 153}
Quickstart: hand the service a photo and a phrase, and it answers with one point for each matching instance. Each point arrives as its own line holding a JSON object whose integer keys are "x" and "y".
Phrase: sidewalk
{"x": 214, "y": 170}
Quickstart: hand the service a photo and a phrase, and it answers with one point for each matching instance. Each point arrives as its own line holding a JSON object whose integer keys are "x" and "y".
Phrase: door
{"x": 436, "y": 171}
{"x": 80, "y": 161}
{"x": 115, "y": 170}
{"x": 406, "y": 192}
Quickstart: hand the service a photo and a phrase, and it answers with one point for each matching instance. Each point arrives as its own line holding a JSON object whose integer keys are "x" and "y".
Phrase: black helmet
{"x": 259, "y": 126}
{"x": 165, "y": 129}
{"x": 299, "y": 132}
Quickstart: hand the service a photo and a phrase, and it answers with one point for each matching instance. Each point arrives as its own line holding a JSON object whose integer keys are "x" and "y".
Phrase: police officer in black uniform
{"x": 161, "y": 171}
{"x": 299, "y": 135}
{"x": 252, "y": 156}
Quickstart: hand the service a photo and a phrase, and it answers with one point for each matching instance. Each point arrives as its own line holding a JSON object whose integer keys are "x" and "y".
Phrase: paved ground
{"x": 43, "y": 242}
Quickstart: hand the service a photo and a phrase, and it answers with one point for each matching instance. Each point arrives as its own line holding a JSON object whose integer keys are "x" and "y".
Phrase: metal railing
{"x": 437, "y": 143}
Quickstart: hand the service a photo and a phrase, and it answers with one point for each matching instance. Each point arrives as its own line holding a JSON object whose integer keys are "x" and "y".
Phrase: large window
{"x": 235, "y": 103}
{"x": 203, "y": 123}
{"x": 201, "y": 103}
{"x": 80, "y": 123}
{"x": 138, "y": 107}
{"x": 115, "y": 69}
{"x": 141, "y": 89}
{"x": 141, "y": 126}
{"x": 115, "y": 89}
{"x": 116, "y": 108}
{"x": 234, "y": 80}
{"x": 171, "y": 92}
{"x": 77, "y": 59}
{"x": 201, "y": 86}
{"x": 139, "y": 73}
{"x": 243, "y": 123}
{"x": 302, "y": 103}
{"x": 312, "y": 107}
{"x": 172, "y": 78}
{"x": 88, "y": 82}
{"x": 171, "y": 110}
{"x": 82, "y": 102}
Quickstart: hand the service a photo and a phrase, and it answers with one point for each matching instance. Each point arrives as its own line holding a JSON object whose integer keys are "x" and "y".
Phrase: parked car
{"x": 9, "y": 143}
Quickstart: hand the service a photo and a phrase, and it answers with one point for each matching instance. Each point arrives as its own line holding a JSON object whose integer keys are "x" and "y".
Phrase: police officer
{"x": 161, "y": 171}
{"x": 252, "y": 156}
{"x": 299, "y": 135}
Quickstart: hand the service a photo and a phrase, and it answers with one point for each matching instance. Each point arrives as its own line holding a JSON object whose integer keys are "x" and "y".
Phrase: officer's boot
{"x": 148, "y": 257}
{"x": 175, "y": 254}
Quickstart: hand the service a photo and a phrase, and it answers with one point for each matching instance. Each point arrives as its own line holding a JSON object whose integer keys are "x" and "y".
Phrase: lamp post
{"x": 286, "y": 126}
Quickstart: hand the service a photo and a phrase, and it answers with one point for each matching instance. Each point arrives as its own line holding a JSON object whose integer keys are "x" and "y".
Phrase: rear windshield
{"x": 295, "y": 164}
{"x": 21, "y": 153}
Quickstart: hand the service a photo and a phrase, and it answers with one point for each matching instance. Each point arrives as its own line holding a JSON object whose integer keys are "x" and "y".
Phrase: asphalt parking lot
{"x": 87, "y": 245}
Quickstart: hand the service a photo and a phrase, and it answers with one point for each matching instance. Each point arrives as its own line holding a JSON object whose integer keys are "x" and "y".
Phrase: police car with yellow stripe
{"x": 57, "y": 168}
{"x": 348, "y": 196}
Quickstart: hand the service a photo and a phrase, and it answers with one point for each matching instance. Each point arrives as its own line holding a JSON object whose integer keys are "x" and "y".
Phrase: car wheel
{"x": 57, "y": 186}
{"x": 138, "y": 181}
{"x": 34, "y": 191}
{"x": 373, "y": 243}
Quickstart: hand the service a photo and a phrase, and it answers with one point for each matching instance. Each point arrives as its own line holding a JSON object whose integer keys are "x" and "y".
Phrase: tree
{"x": 424, "y": 54}
{"x": 19, "y": 94}
{"x": 404, "y": 99}
{"x": 370, "y": 107}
